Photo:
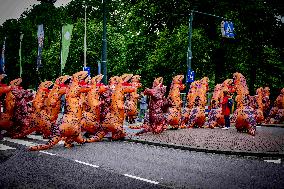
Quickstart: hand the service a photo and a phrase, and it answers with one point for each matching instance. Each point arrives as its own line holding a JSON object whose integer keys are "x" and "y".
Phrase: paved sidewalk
{"x": 269, "y": 141}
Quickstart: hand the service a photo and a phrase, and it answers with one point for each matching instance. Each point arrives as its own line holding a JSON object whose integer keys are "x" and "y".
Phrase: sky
{"x": 14, "y": 8}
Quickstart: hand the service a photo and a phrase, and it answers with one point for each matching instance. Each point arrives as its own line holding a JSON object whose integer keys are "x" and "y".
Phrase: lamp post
{"x": 20, "y": 53}
{"x": 104, "y": 44}
{"x": 189, "y": 52}
{"x": 85, "y": 37}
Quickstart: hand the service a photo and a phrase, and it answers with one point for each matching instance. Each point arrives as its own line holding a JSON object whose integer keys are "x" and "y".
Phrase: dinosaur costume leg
{"x": 49, "y": 144}
{"x": 99, "y": 136}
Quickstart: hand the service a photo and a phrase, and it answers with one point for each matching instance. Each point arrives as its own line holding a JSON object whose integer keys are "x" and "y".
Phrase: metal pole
{"x": 104, "y": 41}
{"x": 85, "y": 37}
{"x": 189, "y": 52}
{"x": 20, "y": 54}
{"x": 99, "y": 67}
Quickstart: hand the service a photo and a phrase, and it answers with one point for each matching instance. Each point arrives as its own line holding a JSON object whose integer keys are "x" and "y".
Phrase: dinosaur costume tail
{"x": 99, "y": 136}
{"x": 52, "y": 142}
{"x": 25, "y": 133}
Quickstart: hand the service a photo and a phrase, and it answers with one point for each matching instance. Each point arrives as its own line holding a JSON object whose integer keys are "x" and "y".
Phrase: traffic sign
{"x": 190, "y": 76}
{"x": 227, "y": 29}
{"x": 88, "y": 69}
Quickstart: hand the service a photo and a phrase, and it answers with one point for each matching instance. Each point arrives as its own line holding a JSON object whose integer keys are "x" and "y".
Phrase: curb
{"x": 226, "y": 152}
{"x": 272, "y": 125}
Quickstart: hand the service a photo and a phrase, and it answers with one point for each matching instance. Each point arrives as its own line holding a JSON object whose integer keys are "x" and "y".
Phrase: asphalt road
{"x": 131, "y": 165}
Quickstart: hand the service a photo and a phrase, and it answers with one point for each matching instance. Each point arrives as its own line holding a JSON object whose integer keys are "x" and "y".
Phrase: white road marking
{"x": 278, "y": 161}
{"x": 22, "y": 142}
{"x": 39, "y": 137}
{"x": 4, "y": 147}
{"x": 139, "y": 178}
{"x": 44, "y": 152}
{"x": 96, "y": 166}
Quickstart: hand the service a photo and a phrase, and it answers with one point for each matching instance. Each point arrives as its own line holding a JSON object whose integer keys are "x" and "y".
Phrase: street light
{"x": 85, "y": 37}
{"x": 104, "y": 43}
{"x": 20, "y": 53}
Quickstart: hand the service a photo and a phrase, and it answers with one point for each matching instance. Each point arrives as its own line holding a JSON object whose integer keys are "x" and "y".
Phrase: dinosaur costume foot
{"x": 251, "y": 131}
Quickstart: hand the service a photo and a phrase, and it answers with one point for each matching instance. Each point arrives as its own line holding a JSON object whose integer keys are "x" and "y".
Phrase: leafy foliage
{"x": 150, "y": 38}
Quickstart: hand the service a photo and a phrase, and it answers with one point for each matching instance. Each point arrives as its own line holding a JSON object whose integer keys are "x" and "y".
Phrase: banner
{"x": 40, "y": 37}
{"x": 2, "y": 60}
{"x": 66, "y": 38}
{"x": 20, "y": 54}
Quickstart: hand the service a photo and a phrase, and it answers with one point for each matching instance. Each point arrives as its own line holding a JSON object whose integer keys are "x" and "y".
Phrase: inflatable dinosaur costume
{"x": 49, "y": 96}
{"x": 258, "y": 105}
{"x": 278, "y": 109}
{"x": 174, "y": 112}
{"x": 10, "y": 102}
{"x": 23, "y": 109}
{"x": 244, "y": 114}
{"x": 113, "y": 120}
{"x": 70, "y": 128}
{"x": 194, "y": 114}
{"x": 155, "y": 121}
{"x": 91, "y": 119}
{"x": 131, "y": 103}
{"x": 215, "y": 117}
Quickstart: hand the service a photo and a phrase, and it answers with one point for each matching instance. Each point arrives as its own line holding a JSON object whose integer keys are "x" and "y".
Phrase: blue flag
{"x": 2, "y": 60}
{"x": 40, "y": 37}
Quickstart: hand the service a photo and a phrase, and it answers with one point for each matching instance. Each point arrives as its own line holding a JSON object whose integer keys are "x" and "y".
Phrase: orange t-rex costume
{"x": 131, "y": 103}
{"x": 3, "y": 89}
{"x": 174, "y": 112}
{"x": 215, "y": 117}
{"x": 245, "y": 116}
{"x": 259, "y": 105}
{"x": 10, "y": 101}
{"x": 113, "y": 120}
{"x": 266, "y": 102}
{"x": 278, "y": 109}
{"x": 194, "y": 114}
{"x": 70, "y": 128}
{"x": 44, "y": 117}
{"x": 91, "y": 119}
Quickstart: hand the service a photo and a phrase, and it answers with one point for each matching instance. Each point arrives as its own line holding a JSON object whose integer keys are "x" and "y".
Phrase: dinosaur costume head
{"x": 58, "y": 90}
{"x": 96, "y": 83}
{"x": 46, "y": 85}
{"x": 62, "y": 81}
{"x": 136, "y": 81}
{"x": 2, "y": 76}
{"x": 266, "y": 92}
{"x": 16, "y": 82}
{"x": 3, "y": 87}
{"x": 158, "y": 81}
{"x": 158, "y": 89}
{"x": 125, "y": 78}
{"x": 178, "y": 80}
{"x": 259, "y": 91}
{"x": 80, "y": 77}
{"x": 282, "y": 92}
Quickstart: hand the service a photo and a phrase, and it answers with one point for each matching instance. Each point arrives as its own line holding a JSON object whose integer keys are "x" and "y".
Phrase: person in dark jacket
{"x": 226, "y": 110}
{"x": 143, "y": 106}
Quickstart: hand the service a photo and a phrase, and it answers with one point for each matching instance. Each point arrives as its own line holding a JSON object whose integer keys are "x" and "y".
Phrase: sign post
{"x": 190, "y": 76}
{"x": 227, "y": 29}
{"x": 88, "y": 69}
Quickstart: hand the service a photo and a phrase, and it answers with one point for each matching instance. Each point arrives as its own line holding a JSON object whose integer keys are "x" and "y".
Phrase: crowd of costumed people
{"x": 92, "y": 109}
